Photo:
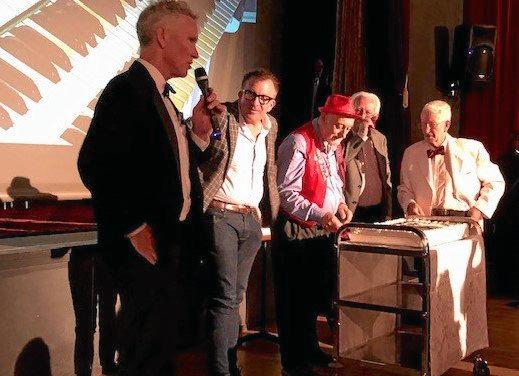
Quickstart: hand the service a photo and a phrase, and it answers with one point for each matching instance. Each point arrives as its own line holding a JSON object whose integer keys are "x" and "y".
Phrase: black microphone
{"x": 318, "y": 70}
{"x": 203, "y": 83}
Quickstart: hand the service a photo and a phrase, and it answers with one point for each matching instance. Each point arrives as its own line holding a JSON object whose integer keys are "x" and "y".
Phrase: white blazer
{"x": 476, "y": 180}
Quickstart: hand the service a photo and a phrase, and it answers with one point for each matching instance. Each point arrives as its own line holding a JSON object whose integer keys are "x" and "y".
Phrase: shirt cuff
{"x": 406, "y": 205}
{"x": 202, "y": 144}
{"x": 482, "y": 209}
{"x": 137, "y": 230}
{"x": 316, "y": 213}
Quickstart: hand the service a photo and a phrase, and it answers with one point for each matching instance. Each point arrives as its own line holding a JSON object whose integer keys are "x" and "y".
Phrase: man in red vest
{"x": 312, "y": 208}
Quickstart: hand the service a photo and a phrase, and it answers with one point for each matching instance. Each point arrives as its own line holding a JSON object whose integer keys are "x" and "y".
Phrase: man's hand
{"x": 144, "y": 243}
{"x": 201, "y": 118}
{"x": 362, "y": 127}
{"x": 475, "y": 214}
{"x": 330, "y": 222}
{"x": 344, "y": 213}
{"x": 414, "y": 209}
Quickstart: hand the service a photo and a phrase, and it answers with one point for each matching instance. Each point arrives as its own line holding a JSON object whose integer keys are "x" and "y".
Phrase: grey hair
{"x": 153, "y": 14}
{"x": 437, "y": 107}
{"x": 355, "y": 98}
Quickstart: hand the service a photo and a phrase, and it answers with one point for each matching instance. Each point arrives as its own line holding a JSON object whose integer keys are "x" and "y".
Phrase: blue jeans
{"x": 235, "y": 240}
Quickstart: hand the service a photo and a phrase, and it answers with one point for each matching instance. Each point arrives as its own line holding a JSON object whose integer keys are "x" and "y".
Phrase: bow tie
{"x": 431, "y": 153}
{"x": 168, "y": 89}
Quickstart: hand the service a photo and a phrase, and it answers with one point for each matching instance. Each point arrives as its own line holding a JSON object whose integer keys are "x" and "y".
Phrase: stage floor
{"x": 260, "y": 358}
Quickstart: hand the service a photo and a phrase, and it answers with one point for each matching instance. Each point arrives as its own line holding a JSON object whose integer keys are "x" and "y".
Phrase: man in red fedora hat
{"x": 312, "y": 208}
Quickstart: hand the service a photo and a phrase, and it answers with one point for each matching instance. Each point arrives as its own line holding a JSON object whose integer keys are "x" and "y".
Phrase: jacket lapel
{"x": 168, "y": 126}
{"x": 453, "y": 162}
{"x": 425, "y": 168}
{"x": 233, "y": 128}
{"x": 270, "y": 171}
{"x": 140, "y": 71}
{"x": 381, "y": 157}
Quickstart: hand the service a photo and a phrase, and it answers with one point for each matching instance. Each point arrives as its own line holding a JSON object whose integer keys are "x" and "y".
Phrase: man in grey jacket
{"x": 367, "y": 188}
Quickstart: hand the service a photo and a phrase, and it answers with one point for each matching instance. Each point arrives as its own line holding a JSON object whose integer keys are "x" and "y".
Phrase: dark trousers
{"x": 149, "y": 307}
{"x": 304, "y": 284}
{"x": 235, "y": 240}
{"x": 91, "y": 283}
{"x": 369, "y": 214}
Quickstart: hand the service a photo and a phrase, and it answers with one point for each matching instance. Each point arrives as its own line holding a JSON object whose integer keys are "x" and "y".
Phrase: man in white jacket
{"x": 447, "y": 176}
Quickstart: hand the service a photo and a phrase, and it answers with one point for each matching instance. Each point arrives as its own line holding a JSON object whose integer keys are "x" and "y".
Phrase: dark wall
{"x": 425, "y": 17}
{"x": 308, "y": 33}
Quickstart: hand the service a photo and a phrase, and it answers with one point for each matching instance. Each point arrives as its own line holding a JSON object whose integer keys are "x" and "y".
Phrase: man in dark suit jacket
{"x": 135, "y": 162}
{"x": 237, "y": 173}
{"x": 506, "y": 218}
{"x": 367, "y": 188}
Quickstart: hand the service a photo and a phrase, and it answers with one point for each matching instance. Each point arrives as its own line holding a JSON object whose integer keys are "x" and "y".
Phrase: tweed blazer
{"x": 215, "y": 162}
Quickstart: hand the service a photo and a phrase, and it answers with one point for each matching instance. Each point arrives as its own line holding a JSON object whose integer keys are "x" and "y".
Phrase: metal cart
{"x": 426, "y": 318}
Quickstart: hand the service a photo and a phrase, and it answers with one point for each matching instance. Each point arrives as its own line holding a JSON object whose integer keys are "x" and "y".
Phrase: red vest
{"x": 313, "y": 186}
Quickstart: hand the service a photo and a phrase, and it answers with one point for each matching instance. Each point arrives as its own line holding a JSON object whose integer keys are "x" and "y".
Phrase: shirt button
{"x": 358, "y": 186}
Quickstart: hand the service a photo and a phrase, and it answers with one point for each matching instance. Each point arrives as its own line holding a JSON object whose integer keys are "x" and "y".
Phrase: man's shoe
{"x": 298, "y": 371}
{"x": 110, "y": 370}
{"x": 232, "y": 356}
{"x": 85, "y": 371}
{"x": 321, "y": 359}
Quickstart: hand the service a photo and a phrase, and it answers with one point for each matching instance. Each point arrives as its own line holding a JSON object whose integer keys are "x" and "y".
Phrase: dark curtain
{"x": 350, "y": 73}
{"x": 491, "y": 114}
{"x": 308, "y": 34}
{"x": 386, "y": 69}
{"x": 372, "y": 55}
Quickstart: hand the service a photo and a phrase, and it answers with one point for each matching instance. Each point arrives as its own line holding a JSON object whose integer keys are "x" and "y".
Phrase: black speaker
{"x": 441, "y": 55}
{"x": 473, "y": 54}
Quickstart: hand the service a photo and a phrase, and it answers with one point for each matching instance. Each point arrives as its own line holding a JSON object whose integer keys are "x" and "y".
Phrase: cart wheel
{"x": 480, "y": 367}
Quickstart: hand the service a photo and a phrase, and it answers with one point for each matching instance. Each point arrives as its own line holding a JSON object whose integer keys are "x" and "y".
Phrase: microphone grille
{"x": 200, "y": 74}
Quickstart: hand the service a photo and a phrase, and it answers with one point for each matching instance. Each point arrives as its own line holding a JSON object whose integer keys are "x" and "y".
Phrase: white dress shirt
{"x": 243, "y": 183}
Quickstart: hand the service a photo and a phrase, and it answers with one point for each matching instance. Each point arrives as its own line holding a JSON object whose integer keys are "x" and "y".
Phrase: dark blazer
{"x": 129, "y": 160}
{"x": 354, "y": 175}
{"x": 214, "y": 168}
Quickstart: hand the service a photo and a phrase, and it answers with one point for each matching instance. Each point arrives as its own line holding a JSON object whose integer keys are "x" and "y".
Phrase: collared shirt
{"x": 291, "y": 169}
{"x": 180, "y": 132}
{"x": 372, "y": 190}
{"x": 441, "y": 181}
{"x": 243, "y": 183}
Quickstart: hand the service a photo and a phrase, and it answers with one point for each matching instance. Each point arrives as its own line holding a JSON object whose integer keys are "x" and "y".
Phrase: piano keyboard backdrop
{"x": 56, "y": 56}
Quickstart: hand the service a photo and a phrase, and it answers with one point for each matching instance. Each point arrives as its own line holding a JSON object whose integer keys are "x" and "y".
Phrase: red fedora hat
{"x": 340, "y": 105}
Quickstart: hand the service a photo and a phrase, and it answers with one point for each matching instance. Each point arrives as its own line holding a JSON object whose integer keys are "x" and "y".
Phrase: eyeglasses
{"x": 366, "y": 114}
{"x": 433, "y": 125}
{"x": 251, "y": 96}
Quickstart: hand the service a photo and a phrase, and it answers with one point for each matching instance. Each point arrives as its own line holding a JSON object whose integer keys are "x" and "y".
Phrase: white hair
{"x": 440, "y": 108}
{"x": 355, "y": 98}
